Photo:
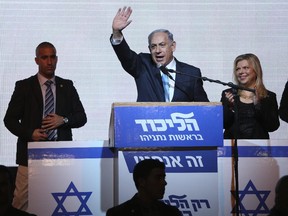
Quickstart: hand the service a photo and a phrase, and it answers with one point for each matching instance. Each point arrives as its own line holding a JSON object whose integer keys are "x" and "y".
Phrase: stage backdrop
{"x": 209, "y": 34}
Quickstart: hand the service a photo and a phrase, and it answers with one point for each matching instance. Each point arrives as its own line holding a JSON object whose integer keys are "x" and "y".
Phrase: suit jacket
{"x": 25, "y": 112}
{"x": 148, "y": 77}
{"x": 133, "y": 207}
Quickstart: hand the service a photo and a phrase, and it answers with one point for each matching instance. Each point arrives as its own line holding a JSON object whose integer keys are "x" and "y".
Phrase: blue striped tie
{"x": 49, "y": 107}
{"x": 165, "y": 81}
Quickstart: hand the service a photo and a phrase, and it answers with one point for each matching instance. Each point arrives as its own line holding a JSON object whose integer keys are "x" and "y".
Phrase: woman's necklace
{"x": 246, "y": 97}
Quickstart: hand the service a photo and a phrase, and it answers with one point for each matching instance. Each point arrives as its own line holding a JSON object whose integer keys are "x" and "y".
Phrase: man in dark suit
{"x": 149, "y": 178}
{"x": 144, "y": 67}
{"x": 27, "y": 116}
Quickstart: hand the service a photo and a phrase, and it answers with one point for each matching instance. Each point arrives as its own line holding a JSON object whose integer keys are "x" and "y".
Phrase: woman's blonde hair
{"x": 254, "y": 63}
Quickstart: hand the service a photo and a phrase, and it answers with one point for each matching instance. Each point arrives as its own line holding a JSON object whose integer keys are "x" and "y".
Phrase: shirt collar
{"x": 43, "y": 79}
{"x": 172, "y": 65}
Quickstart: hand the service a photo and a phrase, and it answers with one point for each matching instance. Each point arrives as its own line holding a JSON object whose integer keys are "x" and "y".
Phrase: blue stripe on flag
{"x": 70, "y": 153}
{"x": 255, "y": 151}
{"x": 105, "y": 152}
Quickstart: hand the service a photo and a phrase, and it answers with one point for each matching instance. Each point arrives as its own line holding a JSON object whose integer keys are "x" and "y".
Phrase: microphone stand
{"x": 230, "y": 84}
{"x": 235, "y": 152}
{"x": 235, "y": 89}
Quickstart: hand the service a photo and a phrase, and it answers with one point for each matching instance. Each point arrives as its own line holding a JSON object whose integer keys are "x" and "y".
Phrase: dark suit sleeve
{"x": 70, "y": 106}
{"x": 199, "y": 92}
{"x": 13, "y": 119}
{"x": 126, "y": 209}
{"x": 267, "y": 112}
{"x": 283, "y": 109}
{"x": 127, "y": 57}
{"x": 78, "y": 117}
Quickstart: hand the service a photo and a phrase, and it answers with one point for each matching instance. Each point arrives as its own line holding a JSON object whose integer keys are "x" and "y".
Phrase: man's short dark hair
{"x": 42, "y": 45}
{"x": 144, "y": 168}
{"x": 169, "y": 34}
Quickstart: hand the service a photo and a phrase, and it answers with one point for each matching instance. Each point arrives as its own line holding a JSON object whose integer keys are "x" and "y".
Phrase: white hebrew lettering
{"x": 181, "y": 121}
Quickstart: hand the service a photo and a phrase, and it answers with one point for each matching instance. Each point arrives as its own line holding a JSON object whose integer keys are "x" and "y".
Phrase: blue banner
{"x": 168, "y": 126}
{"x": 196, "y": 161}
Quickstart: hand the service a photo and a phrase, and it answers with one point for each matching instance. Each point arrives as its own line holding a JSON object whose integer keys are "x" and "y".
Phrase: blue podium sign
{"x": 167, "y": 125}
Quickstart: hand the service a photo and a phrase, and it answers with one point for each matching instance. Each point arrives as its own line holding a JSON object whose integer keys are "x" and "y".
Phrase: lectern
{"x": 185, "y": 136}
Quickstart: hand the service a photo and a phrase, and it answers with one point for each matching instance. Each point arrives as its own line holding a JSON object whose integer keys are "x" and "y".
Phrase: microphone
{"x": 165, "y": 71}
{"x": 185, "y": 74}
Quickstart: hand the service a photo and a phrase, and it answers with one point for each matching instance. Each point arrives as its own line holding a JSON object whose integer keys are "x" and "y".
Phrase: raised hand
{"x": 121, "y": 20}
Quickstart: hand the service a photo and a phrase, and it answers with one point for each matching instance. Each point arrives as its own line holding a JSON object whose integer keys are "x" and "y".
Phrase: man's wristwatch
{"x": 65, "y": 120}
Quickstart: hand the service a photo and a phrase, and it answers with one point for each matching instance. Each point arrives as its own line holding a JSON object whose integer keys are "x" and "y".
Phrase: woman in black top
{"x": 257, "y": 111}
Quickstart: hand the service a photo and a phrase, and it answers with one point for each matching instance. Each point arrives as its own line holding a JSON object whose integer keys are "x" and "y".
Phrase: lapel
{"x": 160, "y": 93}
{"x": 158, "y": 79}
{"x": 178, "y": 80}
{"x": 37, "y": 92}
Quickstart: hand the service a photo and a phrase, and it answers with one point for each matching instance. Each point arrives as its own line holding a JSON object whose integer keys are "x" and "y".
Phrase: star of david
{"x": 260, "y": 195}
{"x": 71, "y": 191}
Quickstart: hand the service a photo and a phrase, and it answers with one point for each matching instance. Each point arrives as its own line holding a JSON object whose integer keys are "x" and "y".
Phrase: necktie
{"x": 49, "y": 107}
{"x": 165, "y": 81}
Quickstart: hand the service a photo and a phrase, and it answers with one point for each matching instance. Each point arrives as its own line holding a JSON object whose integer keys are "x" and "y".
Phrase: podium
{"x": 166, "y": 125}
{"x": 185, "y": 136}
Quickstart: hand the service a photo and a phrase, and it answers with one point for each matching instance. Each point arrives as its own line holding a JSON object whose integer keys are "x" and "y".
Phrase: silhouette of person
{"x": 149, "y": 178}
{"x": 280, "y": 207}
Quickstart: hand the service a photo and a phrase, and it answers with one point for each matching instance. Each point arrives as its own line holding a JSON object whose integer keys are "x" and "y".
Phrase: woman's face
{"x": 245, "y": 74}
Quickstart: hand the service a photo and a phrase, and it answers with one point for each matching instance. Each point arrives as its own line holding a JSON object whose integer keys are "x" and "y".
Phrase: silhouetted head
{"x": 149, "y": 177}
